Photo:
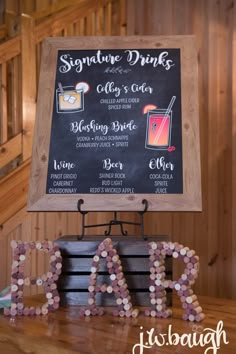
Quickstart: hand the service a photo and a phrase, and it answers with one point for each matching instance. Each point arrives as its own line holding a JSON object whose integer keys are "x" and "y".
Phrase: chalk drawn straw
{"x": 164, "y": 119}
{"x": 60, "y": 88}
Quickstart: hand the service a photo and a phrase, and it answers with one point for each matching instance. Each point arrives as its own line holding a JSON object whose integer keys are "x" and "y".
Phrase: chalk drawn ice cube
{"x": 66, "y": 97}
{"x": 72, "y": 99}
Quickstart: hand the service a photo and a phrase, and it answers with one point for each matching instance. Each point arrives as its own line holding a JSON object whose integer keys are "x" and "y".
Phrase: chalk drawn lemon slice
{"x": 148, "y": 107}
{"x": 84, "y": 86}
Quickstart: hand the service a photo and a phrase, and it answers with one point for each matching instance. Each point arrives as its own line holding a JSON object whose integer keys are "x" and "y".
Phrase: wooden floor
{"x": 64, "y": 332}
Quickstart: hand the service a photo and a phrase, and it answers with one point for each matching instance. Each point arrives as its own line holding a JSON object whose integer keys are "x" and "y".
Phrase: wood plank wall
{"x": 233, "y": 153}
{"x": 212, "y": 232}
{"x": 108, "y": 20}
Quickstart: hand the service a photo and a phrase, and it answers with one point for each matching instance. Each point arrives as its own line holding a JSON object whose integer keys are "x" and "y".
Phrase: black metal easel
{"x": 113, "y": 222}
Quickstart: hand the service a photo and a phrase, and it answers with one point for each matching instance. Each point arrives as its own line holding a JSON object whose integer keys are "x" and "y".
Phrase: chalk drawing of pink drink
{"x": 159, "y": 124}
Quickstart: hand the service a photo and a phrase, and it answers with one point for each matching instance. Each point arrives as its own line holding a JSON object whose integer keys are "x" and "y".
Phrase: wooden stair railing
{"x": 19, "y": 72}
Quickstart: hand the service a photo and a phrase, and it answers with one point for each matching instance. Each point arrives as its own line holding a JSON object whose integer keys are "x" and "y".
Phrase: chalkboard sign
{"x": 117, "y": 122}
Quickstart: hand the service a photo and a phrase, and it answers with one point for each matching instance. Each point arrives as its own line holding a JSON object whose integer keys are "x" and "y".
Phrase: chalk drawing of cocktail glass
{"x": 159, "y": 124}
{"x": 70, "y": 99}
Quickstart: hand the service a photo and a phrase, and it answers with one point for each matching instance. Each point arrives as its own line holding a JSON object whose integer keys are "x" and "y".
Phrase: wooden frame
{"x": 187, "y": 200}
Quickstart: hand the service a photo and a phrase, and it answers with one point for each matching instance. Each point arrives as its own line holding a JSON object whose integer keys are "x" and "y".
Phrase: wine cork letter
{"x": 48, "y": 280}
{"x": 158, "y": 282}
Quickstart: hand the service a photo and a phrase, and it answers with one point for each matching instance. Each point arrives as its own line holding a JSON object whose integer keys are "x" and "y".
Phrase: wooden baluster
{"x": 99, "y": 30}
{"x": 234, "y": 158}
{"x": 108, "y": 19}
{"x": 122, "y": 17}
{"x": 28, "y": 82}
{"x": 3, "y": 102}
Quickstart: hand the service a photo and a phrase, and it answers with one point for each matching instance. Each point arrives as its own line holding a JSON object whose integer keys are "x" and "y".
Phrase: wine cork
{"x": 93, "y": 270}
{"x": 163, "y": 252}
{"x": 153, "y": 301}
{"x": 22, "y": 258}
{"x": 87, "y": 312}
{"x": 14, "y": 288}
{"x": 175, "y": 254}
{"x": 128, "y": 313}
{"x": 92, "y": 281}
{"x": 183, "y": 251}
{"x": 151, "y": 288}
{"x": 200, "y": 317}
{"x": 115, "y": 258}
{"x": 104, "y": 254}
{"x": 193, "y": 271}
{"x": 103, "y": 288}
{"x": 96, "y": 258}
{"x": 13, "y": 312}
{"x": 127, "y": 307}
{"x": 91, "y": 301}
{"x": 197, "y": 310}
{"x": 31, "y": 311}
{"x": 51, "y": 301}
{"x": 119, "y": 301}
{"x": 160, "y": 275}
{"x": 153, "y": 270}
{"x": 121, "y": 282}
{"x": 39, "y": 282}
{"x": 153, "y": 313}
{"x": 91, "y": 288}
{"x": 160, "y": 300}
{"x": 109, "y": 289}
{"x": 14, "y": 244}
{"x": 120, "y": 275}
{"x": 158, "y": 282}
{"x": 55, "y": 277}
{"x": 116, "y": 289}
{"x": 167, "y": 313}
{"x": 159, "y": 307}
{"x": 160, "y": 269}
{"x": 188, "y": 291}
{"x": 153, "y": 245}
{"x": 152, "y": 259}
{"x": 20, "y": 306}
{"x": 186, "y": 259}
{"x": 56, "y": 299}
{"x": 157, "y": 264}
{"x": 169, "y": 252}
{"x": 191, "y": 318}
{"x": 177, "y": 286}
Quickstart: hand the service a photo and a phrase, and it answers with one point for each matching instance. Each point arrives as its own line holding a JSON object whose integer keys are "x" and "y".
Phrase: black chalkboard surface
{"x": 117, "y": 122}
{"x": 116, "y": 125}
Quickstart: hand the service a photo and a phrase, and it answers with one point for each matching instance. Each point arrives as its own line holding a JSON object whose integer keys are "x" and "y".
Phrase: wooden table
{"x": 64, "y": 332}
